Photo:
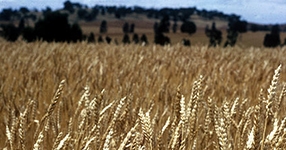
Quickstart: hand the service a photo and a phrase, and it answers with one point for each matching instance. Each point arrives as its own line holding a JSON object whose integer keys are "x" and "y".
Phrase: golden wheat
{"x": 141, "y": 97}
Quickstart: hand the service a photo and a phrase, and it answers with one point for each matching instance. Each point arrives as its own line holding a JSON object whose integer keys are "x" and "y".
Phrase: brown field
{"x": 99, "y": 96}
{"x": 144, "y": 25}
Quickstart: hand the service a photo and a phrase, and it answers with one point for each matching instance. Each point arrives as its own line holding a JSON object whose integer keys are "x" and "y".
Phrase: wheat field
{"x": 98, "y": 96}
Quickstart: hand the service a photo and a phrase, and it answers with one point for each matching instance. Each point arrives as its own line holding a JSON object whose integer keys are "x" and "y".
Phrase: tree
{"x": 186, "y": 42}
{"x": 100, "y": 39}
{"x": 155, "y": 27}
{"x": 91, "y": 38}
{"x": 188, "y": 27}
{"x": 6, "y": 14}
{"x": 29, "y": 34}
{"x": 92, "y": 15}
{"x": 103, "y": 11}
{"x": 117, "y": 15}
{"x": 126, "y": 39}
{"x": 231, "y": 38}
{"x": 24, "y": 10}
{"x": 125, "y": 28}
{"x": 21, "y": 25}
{"x": 108, "y": 39}
{"x": 214, "y": 35}
{"x": 254, "y": 28}
{"x": 272, "y": 39}
{"x": 159, "y": 29}
{"x": 82, "y": 13}
{"x": 144, "y": 39}
{"x": 32, "y": 16}
{"x": 68, "y": 6}
{"x": 55, "y": 27}
{"x": 239, "y": 26}
{"x": 10, "y": 32}
{"x": 235, "y": 27}
{"x": 135, "y": 38}
{"x": 164, "y": 25}
{"x": 103, "y": 27}
{"x": 75, "y": 33}
{"x": 132, "y": 27}
{"x": 161, "y": 39}
{"x": 47, "y": 11}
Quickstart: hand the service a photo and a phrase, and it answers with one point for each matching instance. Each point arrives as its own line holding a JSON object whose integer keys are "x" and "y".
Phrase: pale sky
{"x": 258, "y": 11}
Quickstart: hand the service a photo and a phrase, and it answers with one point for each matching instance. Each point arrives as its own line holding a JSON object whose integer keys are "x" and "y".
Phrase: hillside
{"x": 144, "y": 19}
{"x": 144, "y": 25}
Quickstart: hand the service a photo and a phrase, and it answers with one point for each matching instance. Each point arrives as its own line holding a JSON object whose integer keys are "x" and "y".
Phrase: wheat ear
{"x": 125, "y": 140}
{"x": 55, "y": 100}
{"x": 39, "y": 141}
{"x": 270, "y": 98}
{"x": 146, "y": 127}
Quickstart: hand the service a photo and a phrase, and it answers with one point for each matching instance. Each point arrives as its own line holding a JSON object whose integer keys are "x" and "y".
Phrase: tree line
{"x": 55, "y": 26}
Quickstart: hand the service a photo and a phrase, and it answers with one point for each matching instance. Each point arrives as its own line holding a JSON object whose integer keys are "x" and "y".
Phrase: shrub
{"x": 10, "y": 32}
{"x": 29, "y": 34}
{"x": 188, "y": 27}
{"x": 126, "y": 39}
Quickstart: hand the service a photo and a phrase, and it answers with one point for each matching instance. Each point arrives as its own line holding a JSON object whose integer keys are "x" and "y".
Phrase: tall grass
{"x": 86, "y": 96}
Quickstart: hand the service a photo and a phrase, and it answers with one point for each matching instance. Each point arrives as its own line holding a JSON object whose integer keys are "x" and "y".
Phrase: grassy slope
{"x": 145, "y": 25}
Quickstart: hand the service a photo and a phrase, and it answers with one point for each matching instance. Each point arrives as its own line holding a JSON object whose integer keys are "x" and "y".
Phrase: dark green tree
{"x": 214, "y": 35}
{"x": 254, "y": 27}
{"x": 164, "y": 25}
{"x": 108, "y": 39}
{"x": 231, "y": 38}
{"x": 161, "y": 39}
{"x": 24, "y": 10}
{"x": 117, "y": 15}
{"x": 235, "y": 27}
{"x": 188, "y": 27}
{"x": 29, "y": 34}
{"x": 272, "y": 39}
{"x": 155, "y": 27}
{"x": 135, "y": 38}
{"x": 132, "y": 28}
{"x": 126, "y": 39}
{"x": 7, "y": 14}
{"x": 82, "y": 13}
{"x": 10, "y": 32}
{"x": 125, "y": 28}
{"x": 159, "y": 29}
{"x": 186, "y": 42}
{"x": 69, "y": 6}
{"x": 91, "y": 38}
{"x": 92, "y": 15}
{"x": 103, "y": 27}
{"x": 100, "y": 39}
{"x": 103, "y": 11}
{"x": 55, "y": 27}
{"x": 47, "y": 11}
{"x": 144, "y": 39}
{"x": 21, "y": 25}
{"x": 76, "y": 33}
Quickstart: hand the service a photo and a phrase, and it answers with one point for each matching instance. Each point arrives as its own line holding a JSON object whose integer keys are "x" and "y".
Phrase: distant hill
{"x": 144, "y": 19}
{"x": 80, "y": 13}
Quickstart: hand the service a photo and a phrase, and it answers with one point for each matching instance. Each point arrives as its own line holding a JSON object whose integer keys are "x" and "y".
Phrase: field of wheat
{"x": 98, "y": 96}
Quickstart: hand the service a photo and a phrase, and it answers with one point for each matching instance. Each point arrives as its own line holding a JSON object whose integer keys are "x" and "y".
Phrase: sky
{"x": 257, "y": 11}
